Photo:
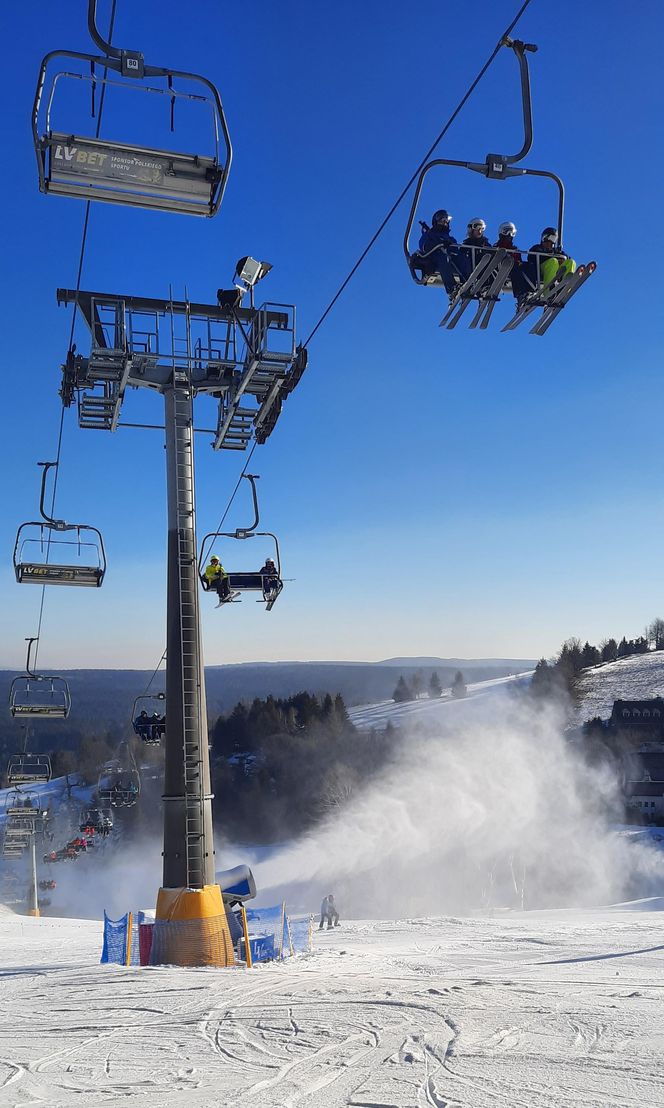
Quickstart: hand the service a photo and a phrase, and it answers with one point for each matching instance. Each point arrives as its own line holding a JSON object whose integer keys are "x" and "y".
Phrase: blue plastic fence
{"x": 116, "y": 938}
{"x": 300, "y": 934}
{"x": 274, "y": 934}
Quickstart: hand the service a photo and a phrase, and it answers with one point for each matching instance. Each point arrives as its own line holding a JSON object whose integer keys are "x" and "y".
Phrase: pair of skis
{"x": 227, "y": 599}
{"x": 552, "y": 297}
{"x": 485, "y": 285}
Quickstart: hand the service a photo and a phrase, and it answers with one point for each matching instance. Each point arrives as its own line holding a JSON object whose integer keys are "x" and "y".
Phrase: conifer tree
{"x": 402, "y": 691}
{"x": 435, "y": 687}
{"x": 459, "y": 689}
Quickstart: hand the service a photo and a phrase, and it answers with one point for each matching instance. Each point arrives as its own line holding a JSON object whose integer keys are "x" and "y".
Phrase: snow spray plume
{"x": 119, "y": 878}
{"x": 500, "y": 812}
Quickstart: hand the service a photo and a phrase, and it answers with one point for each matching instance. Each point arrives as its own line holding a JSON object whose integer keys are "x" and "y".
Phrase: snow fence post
{"x": 130, "y": 920}
{"x": 247, "y": 944}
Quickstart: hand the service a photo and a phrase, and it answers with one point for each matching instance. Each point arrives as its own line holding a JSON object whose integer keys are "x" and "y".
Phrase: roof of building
{"x": 654, "y": 702}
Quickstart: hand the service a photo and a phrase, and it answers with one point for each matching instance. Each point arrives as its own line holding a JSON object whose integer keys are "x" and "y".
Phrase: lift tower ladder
{"x": 188, "y": 814}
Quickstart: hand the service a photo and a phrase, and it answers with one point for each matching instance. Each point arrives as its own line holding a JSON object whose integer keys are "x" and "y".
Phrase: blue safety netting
{"x": 266, "y": 933}
{"x": 116, "y": 936}
{"x": 115, "y": 940}
{"x": 299, "y": 928}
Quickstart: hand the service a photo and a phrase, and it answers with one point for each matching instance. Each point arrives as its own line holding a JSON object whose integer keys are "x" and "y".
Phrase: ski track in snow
{"x": 535, "y": 1010}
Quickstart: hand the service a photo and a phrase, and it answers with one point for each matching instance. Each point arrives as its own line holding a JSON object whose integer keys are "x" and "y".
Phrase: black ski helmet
{"x": 441, "y": 216}
{"x": 548, "y": 231}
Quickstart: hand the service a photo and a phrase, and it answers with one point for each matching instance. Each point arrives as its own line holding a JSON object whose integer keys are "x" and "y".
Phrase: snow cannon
{"x": 236, "y": 884}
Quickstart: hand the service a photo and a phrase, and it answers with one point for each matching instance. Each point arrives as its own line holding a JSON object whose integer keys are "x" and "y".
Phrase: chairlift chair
{"x": 29, "y": 769}
{"x": 117, "y": 172}
{"x": 12, "y": 849}
{"x": 119, "y": 782}
{"x": 52, "y": 552}
{"x": 269, "y": 585}
{"x": 490, "y": 267}
{"x": 36, "y": 695}
{"x": 21, "y": 812}
{"x": 151, "y": 731}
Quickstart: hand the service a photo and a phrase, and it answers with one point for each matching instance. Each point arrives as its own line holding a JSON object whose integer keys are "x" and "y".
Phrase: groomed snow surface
{"x": 561, "y": 1006}
{"x": 551, "y": 1009}
{"x": 432, "y": 712}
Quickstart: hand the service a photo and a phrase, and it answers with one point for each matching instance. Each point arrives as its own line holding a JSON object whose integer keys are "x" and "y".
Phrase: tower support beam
{"x": 188, "y": 836}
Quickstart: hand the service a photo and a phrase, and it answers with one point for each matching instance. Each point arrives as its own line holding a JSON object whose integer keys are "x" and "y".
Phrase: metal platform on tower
{"x": 246, "y": 358}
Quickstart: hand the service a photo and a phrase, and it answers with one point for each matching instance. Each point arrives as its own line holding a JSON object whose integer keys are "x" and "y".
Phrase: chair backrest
{"x": 246, "y": 581}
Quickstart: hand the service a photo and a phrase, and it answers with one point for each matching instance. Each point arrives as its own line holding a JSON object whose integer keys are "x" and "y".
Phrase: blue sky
{"x": 434, "y": 492}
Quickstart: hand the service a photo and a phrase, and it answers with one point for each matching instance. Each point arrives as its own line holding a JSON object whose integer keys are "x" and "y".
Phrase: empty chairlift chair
{"x": 91, "y": 166}
{"x": 36, "y": 695}
{"x": 52, "y": 552}
{"x": 29, "y": 769}
{"x": 268, "y": 584}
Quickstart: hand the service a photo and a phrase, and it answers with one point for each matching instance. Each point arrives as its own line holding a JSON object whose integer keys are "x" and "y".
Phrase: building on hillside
{"x": 646, "y": 798}
{"x": 643, "y": 716}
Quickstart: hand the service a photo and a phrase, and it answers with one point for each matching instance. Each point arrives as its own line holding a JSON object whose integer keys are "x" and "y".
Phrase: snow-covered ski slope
{"x": 425, "y": 710}
{"x": 637, "y": 678}
{"x": 544, "y": 1010}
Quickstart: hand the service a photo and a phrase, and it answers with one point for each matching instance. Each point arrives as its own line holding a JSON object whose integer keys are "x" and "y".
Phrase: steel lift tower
{"x": 246, "y": 359}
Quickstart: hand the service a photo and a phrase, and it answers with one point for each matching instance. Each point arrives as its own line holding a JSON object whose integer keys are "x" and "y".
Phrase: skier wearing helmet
{"x": 477, "y": 239}
{"x": 217, "y": 578}
{"x": 556, "y": 265}
{"x": 521, "y": 283}
{"x": 438, "y": 247}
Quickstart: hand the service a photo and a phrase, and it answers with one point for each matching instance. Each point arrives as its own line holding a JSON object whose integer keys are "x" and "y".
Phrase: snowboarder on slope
{"x": 328, "y": 911}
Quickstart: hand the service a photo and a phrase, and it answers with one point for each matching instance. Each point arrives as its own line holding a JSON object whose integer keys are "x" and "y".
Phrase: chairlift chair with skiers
{"x": 78, "y": 164}
{"x": 150, "y": 729}
{"x": 119, "y": 783}
{"x": 52, "y": 552}
{"x": 96, "y": 821}
{"x": 26, "y": 809}
{"x": 490, "y": 267}
{"x": 36, "y": 695}
{"x": 268, "y": 584}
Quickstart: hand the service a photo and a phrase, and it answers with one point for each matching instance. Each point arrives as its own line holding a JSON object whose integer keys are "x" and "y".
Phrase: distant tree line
{"x": 280, "y": 765}
{"x": 413, "y": 688}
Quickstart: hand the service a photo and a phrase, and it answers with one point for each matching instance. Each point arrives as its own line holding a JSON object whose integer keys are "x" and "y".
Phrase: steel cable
{"x": 421, "y": 165}
{"x": 84, "y": 239}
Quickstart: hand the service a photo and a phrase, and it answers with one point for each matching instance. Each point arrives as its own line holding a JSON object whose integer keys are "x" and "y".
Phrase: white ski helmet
{"x": 477, "y": 224}
{"x": 507, "y": 228}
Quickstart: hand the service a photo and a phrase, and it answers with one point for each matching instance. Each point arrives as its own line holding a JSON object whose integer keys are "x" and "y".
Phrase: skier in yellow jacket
{"x": 217, "y": 579}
